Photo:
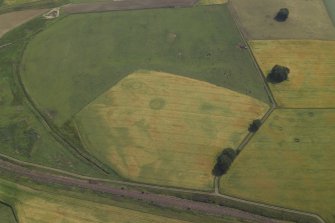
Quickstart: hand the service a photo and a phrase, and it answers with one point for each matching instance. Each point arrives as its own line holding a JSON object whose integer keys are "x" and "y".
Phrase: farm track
{"x": 161, "y": 200}
{"x": 7, "y": 44}
{"x": 125, "y": 5}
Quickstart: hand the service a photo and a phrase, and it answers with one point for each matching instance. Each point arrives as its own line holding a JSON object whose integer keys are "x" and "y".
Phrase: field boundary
{"x": 329, "y": 12}
{"x": 12, "y": 210}
{"x": 284, "y": 213}
{"x": 40, "y": 4}
{"x": 238, "y": 25}
{"x": 260, "y": 209}
{"x": 125, "y": 5}
{"x": 287, "y": 214}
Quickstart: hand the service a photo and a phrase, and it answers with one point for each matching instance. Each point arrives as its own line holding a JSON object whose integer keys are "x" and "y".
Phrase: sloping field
{"x": 22, "y": 135}
{"x": 330, "y": 4}
{"x": 11, "y": 20}
{"x": 36, "y": 206}
{"x": 62, "y": 209}
{"x": 86, "y": 54}
{"x": 289, "y": 163}
{"x": 165, "y": 129}
{"x": 45, "y": 205}
{"x": 307, "y": 19}
{"x": 312, "y": 71}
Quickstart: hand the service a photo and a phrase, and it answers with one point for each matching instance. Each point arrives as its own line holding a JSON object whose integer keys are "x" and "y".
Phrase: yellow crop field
{"x": 289, "y": 163}
{"x": 165, "y": 129}
{"x": 211, "y": 2}
{"x": 61, "y": 209}
{"x": 312, "y": 71}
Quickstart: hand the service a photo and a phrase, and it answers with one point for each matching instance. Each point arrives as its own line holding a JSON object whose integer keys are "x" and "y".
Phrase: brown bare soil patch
{"x": 11, "y": 20}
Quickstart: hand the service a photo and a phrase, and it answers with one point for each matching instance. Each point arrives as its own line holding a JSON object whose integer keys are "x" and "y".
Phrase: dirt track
{"x": 160, "y": 200}
{"x": 125, "y": 5}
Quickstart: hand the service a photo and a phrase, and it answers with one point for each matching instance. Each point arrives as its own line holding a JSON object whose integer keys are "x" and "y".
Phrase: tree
{"x": 223, "y": 161}
{"x": 254, "y": 126}
{"x": 229, "y": 152}
{"x": 222, "y": 167}
{"x": 278, "y": 74}
{"x": 282, "y": 15}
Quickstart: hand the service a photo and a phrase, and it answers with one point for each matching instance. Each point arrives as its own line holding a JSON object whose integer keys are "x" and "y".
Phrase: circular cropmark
{"x": 157, "y": 103}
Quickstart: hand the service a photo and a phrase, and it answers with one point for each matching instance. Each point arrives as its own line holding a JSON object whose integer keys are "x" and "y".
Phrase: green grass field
{"x": 6, "y": 214}
{"x": 289, "y": 163}
{"x": 22, "y": 136}
{"x": 81, "y": 59}
{"x": 330, "y": 4}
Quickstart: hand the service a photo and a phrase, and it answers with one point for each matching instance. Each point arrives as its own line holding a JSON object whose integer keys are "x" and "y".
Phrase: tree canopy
{"x": 254, "y": 126}
{"x": 282, "y": 15}
{"x": 278, "y": 74}
{"x": 223, "y": 161}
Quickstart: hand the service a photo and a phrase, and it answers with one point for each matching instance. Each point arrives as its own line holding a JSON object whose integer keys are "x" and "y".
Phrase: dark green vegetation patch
{"x": 330, "y": 4}
{"x": 74, "y": 61}
{"x": 6, "y": 214}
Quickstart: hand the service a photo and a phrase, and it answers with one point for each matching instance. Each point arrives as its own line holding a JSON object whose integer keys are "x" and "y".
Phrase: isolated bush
{"x": 278, "y": 74}
{"x": 223, "y": 162}
{"x": 254, "y": 126}
{"x": 282, "y": 15}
